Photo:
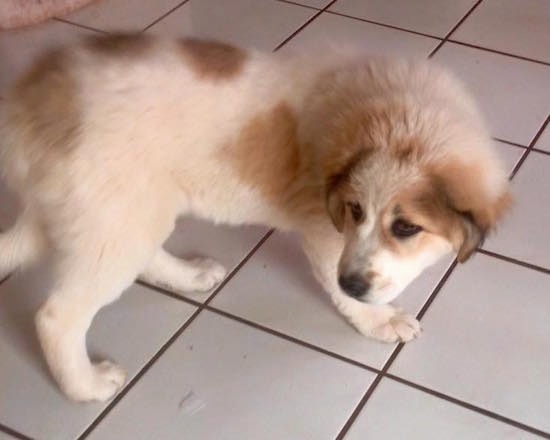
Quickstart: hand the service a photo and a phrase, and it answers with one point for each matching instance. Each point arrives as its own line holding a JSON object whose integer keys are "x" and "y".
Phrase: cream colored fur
{"x": 152, "y": 145}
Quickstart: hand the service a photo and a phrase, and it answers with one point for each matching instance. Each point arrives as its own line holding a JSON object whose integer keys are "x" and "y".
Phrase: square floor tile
{"x": 20, "y": 47}
{"x": 224, "y": 380}
{"x": 524, "y": 233}
{"x": 487, "y": 341}
{"x": 332, "y": 30}
{"x": 129, "y": 332}
{"x": 121, "y": 15}
{"x": 396, "y": 412}
{"x": 428, "y": 16}
{"x": 228, "y": 245}
{"x": 276, "y": 289}
{"x": 543, "y": 142}
{"x": 514, "y": 94}
{"x": 520, "y": 27}
{"x": 261, "y": 24}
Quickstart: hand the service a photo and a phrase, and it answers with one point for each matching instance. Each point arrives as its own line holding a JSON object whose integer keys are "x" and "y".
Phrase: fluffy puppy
{"x": 381, "y": 166}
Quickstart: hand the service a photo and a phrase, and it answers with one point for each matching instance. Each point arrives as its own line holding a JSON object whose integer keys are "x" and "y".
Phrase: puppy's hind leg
{"x": 20, "y": 245}
{"x": 198, "y": 274}
{"x": 88, "y": 274}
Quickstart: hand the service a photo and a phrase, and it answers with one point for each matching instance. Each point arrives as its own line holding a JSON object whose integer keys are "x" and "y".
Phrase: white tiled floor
{"x": 269, "y": 357}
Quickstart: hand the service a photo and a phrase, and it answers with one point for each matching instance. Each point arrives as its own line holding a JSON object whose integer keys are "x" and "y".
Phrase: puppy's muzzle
{"x": 354, "y": 285}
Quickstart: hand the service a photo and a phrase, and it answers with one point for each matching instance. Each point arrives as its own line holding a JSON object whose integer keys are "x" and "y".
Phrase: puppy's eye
{"x": 356, "y": 211}
{"x": 402, "y": 228}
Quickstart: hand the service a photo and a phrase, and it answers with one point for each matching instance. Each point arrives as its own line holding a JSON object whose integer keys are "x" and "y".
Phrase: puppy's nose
{"x": 354, "y": 285}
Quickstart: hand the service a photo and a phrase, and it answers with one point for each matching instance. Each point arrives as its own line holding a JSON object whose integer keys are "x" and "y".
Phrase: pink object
{"x": 18, "y": 13}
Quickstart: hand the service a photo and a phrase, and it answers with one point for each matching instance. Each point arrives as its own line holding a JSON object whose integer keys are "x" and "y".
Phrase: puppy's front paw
{"x": 209, "y": 273}
{"x": 401, "y": 327}
{"x": 384, "y": 323}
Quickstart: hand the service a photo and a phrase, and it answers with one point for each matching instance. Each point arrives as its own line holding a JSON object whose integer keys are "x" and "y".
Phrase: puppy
{"x": 381, "y": 166}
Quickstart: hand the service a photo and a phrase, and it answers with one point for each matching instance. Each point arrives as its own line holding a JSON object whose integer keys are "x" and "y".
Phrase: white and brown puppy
{"x": 382, "y": 166}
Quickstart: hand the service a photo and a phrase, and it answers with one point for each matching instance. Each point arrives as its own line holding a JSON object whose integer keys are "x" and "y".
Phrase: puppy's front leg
{"x": 196, "y": 275}
{"x": 387, "y": 323}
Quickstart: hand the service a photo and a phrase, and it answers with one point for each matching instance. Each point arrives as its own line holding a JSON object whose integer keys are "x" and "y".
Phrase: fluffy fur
{"x": 382, "y": 166}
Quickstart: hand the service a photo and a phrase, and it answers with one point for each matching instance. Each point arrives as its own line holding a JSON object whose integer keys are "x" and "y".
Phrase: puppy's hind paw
{"x": 101, "y": 383}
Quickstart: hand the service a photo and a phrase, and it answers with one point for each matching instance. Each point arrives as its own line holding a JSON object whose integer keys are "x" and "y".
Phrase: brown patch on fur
{"x": 211, "y": 59}
{"x": 43, "y": 104}
{"x": 128, "y": 45}
{"x": 266, "y": 156}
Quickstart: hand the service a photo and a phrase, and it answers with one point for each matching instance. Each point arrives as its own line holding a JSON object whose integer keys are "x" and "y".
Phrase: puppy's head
{"x": 398, "y": 218}
{"x": 399, "y": 214}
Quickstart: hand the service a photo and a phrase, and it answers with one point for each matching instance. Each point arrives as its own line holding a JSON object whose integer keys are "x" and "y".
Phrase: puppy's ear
{"x": 472, "y": 237}
{"x": 336, "y": 186}
{"x": 468, "y": 189}
{"x": 336, "y": 208}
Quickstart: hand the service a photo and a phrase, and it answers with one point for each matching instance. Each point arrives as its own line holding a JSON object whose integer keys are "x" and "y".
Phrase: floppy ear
{"x": 466, "y": 191}
{"x": 335, "y": 185}
{"x": 336, "y": 208}
{"x": 472, "y": 237}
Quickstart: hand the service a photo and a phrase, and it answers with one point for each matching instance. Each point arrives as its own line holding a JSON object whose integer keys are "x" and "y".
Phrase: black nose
{"x": 354, "y": 285}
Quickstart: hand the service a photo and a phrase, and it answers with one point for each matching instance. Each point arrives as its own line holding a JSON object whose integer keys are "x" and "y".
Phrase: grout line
{"x": 164, "y": 15}
{"x": 16, "y": 434}
{"x": 169, "y": 342}
{"x": 164, "y": 291}
{"x": 302, "y": 27}
{"x": 519, "y": 163}
{"x": 386, "y": 25}
{"x": 436, "y": 290}
{"x": 529, "y": 148}
{"x": 500, "y": 52}
{"x": 537, "y": 150}
{"x": 514, "y": 144}
{"x": 299, "y": 4}
{"x": 454, "y": 28}
{"x": 292, "y": 339}
{"x": 469, "y": 406}
{"x": 539, "y": 133}
{"x": 436, "y": 49}
{"x": 351, "y": 419}
{"x": 238, "y": 266}
{"x": 514, "y": 261}
{"x": 83, "y": 26}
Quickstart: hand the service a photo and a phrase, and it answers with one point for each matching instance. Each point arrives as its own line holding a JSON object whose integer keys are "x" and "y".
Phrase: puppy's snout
{"x": 354, "y": 285}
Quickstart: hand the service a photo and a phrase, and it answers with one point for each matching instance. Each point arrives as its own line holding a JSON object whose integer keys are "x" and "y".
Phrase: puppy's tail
{"x": 20, "y": 245}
